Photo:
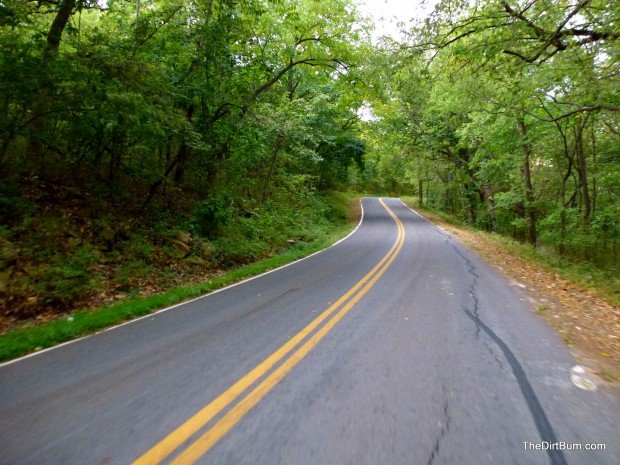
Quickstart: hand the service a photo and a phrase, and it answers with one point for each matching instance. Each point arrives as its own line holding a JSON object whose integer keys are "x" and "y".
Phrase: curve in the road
{"x": 212, "y": 435}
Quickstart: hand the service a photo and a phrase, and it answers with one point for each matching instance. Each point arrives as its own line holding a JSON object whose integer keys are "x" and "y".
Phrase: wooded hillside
{"x": 157, "y": 137}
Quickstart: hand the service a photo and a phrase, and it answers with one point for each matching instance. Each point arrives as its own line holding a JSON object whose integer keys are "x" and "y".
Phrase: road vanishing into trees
{"x": 395, "y": 346}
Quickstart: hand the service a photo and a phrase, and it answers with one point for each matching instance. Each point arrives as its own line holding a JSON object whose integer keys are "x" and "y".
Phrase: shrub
{"x": 212, "y": 215}
{"x": 67, "y": 278}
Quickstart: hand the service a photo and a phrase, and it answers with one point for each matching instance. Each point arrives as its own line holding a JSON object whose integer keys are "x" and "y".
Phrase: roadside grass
{"x": 21, "y": 341}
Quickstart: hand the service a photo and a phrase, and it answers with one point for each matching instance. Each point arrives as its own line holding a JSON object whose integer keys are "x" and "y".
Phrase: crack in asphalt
{"x": 442, "y": 232}
{"x": 471, "y": 269}
{"x": 545, "y": 430}
{"x": 442, "y": 432}
{"x": 268, "y": 303}
{"x": 476, "y": 310}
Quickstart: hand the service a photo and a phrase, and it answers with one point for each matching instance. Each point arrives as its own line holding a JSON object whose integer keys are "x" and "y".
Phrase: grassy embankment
{"x": 147, "y": 271}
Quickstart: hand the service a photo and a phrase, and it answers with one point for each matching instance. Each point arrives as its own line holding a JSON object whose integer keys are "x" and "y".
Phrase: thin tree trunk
{"x": 35, "y": 146}
{"x": 470, "y": 195}
{"x": 562, "y": 193}
{"x": 594, "y": 190}
{"x": 428, "y": 187}
{"x": 270, "y": 169}
{"x": 137, "y": 18}
{"x": 156, "y": 184}
{"x": 420, "y": 192}
{"x": 184, "y": 152}
{"x": 583, "y": 175}
{"x": 490, "y": 203}
{"x": 527, "y": 180}
{"x": 420, "y": 184}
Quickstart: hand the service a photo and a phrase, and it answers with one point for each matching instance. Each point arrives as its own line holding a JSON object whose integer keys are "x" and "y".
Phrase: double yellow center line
{"x": 199, "y": 446}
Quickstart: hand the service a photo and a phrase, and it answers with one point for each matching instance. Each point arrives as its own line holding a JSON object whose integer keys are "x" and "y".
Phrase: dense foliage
{"x": 137, "y": 133}
{"x": 506, "y": 113}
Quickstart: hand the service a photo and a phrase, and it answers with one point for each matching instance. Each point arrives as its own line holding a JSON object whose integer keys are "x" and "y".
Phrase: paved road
{"x": 396, "y": 346}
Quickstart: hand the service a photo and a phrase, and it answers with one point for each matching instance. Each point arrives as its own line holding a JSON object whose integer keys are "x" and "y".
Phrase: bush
{"x": 66, "y": 279}
{"x": 128, "y": 273}
{"x": 137, "y": 248}
{"x": 12, "y": 205}
{"x": 212, "y": 215}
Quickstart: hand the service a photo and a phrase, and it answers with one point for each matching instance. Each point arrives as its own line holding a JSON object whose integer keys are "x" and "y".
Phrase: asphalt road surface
{"x": 395, "y": 346}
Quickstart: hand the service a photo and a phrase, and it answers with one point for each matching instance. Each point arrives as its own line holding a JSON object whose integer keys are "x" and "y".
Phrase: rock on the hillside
{"x": 181, "y": 247}
{"x": 184, "y": 237}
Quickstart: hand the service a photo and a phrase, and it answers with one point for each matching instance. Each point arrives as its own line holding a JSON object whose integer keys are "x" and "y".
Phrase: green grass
{"x": 24, "y": 340}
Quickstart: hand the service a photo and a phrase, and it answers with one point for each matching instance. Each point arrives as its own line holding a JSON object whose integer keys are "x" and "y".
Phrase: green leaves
{"x": 486, "y": 111}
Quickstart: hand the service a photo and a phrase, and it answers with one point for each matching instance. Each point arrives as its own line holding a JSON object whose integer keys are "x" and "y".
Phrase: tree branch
{"x": 157, "y": 28}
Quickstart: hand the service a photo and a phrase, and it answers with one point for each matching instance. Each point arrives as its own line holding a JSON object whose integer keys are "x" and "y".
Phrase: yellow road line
{"x": 171, "y": 442}
{"x": 228, "y": 421}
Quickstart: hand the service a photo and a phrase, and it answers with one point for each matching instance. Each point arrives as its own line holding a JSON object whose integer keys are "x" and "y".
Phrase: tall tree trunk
{"x": 137, "y": 23}
{"x": 420, "y": 192}
{"x": 428, "y": 186}
{"x": 184, "y": 152}
{"x": 470, "y": 195}
{"x": 584, "y": 191}
{"x": 155, "y": 186}
{"x": 420, "y": 184}
{"x": 58, "y": 26}
{"x": 562, "y": 193}
{"x": 563, "y": 215}
{"x": 527, "y": 180}
{"x": 594, "y": 189}
{"x": 35, "y": 147}
{"x": 271, "y": 167}
{"x": 487, "y": 193}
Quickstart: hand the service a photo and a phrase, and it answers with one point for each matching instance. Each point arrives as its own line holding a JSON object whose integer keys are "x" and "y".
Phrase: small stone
{"x": 181, "y": 247}
{"x": 183, "y": 236}
{"x": 196, "y": 261}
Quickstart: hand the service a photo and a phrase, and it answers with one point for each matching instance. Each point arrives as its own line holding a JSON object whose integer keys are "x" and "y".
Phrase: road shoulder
{"x": 587, "y": 323}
